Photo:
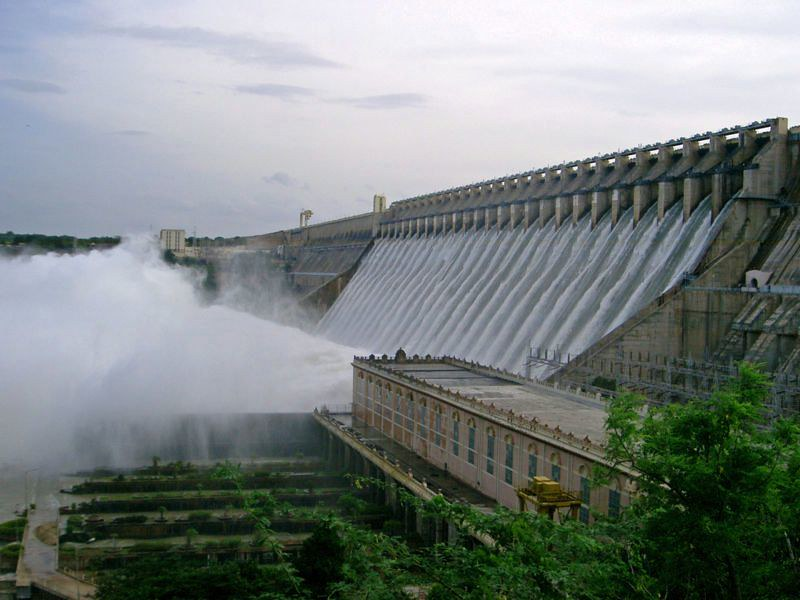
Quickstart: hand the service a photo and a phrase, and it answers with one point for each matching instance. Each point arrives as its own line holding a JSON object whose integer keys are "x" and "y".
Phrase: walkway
{"x": 39, "y": 561}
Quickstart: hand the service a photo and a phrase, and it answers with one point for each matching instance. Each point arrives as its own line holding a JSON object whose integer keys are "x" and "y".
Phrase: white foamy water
{"x": 113, "y": 334}
{"x": 490, "y": 295}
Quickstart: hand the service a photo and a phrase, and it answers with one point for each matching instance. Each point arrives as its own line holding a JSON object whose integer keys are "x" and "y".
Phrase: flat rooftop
{"x": 571, "y": 412}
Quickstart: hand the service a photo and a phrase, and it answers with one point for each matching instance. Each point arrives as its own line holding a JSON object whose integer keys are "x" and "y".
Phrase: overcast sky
{"x": 231, "y": 117}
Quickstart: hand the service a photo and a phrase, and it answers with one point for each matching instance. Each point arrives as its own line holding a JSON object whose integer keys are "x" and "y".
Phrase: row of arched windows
{"x": 499, "y": 459}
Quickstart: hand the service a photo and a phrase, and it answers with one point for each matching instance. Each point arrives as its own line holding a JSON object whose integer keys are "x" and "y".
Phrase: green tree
{"x": 718, "y": 508}
{"x": 191, "y": 533}
{"x": 321, "y": 558}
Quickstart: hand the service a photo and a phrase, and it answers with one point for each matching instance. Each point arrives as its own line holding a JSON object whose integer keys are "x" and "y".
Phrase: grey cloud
{"x": 236, "y": 47}
{"x": 284, "y": 179}
{"x": 32, "y": 86}
{"x": 276, "y": 90}
{"x": 131, "y": 132}
{"x": 385, "y": 101}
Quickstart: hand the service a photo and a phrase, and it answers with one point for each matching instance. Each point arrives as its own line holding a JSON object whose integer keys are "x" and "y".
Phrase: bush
{"x": 130, "y": 519}
{"x": 12, "y": 530}
{"x": 74, "y": 523}
{"x": 200, "y": 515}
{"x": 11, "y": 551}
{"x": 150, "y": 547}
{"x": 351, "y": 505}
{"x": 605, "y": 383}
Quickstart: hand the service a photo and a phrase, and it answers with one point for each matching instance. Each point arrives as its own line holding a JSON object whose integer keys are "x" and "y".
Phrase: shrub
{"x": 200, "y": 515}
{"x": 11, "y": 550}
{"x": 12, "y": 530}
{"x": 130, "y": 519}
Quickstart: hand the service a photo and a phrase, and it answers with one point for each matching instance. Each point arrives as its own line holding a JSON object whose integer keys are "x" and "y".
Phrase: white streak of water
{"x": 490, "y": 295}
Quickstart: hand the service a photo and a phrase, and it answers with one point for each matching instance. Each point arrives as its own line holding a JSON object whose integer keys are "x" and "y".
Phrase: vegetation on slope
{"x": 717, "y": 517}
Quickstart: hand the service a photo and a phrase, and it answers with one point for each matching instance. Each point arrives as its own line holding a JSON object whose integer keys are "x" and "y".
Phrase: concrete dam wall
{"x": 559, "y": 257}
{"x": 489, "y": 295}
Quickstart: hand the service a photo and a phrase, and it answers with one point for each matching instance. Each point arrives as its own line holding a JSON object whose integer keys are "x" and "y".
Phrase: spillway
{"x": 490, "y": 295}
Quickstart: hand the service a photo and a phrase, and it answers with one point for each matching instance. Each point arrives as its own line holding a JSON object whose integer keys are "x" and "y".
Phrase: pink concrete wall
{"x": 375, "y": 401}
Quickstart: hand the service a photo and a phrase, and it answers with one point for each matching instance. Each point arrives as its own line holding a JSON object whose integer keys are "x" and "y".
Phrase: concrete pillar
{"x": 427, "y": 225}
{"x": 488, "y": 216}
{"x": 419, "y": 225}
{"x": 563, "y": 209}
{"x": 513, "y": 210}
{"x": 502, "y": 215}
{"x": 476, "y": 217}
{"x": 692, "y": 194}
{"x": 466, "y": 220}
{"x": 531, "y": 212}
{"x": 721, "y": 192}
{"x": 620, "y": 200}
{"x": 771, "y": 165}
{"x": 642, "y": 199}
{"x": 667, "y": 194}
{"x": 580, "y": 206}
{"x": 455, "y": 222}
{"x": 599, "y": 206}
{"x": 547, "y": 208}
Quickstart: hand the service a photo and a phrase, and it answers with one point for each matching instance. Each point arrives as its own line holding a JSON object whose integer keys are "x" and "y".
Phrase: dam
{"x": 637, "y": 255}
{"x": 489, "y": 295}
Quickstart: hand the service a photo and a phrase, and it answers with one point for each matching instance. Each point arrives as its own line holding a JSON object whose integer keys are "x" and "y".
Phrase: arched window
{"x": 555, "y": 467}
{"x": 614, "y": 497}
{"x": 471, "y": 441}
{"x": 398, "y": 409}
{"x": 437, "y": 425}
{"x": 456, "y": 432}
{"x": 508, "y": 475}
{"x": 586, "y": 493}
{"x": 490, "y": 441}
{"x": 410, "y": 413}
{"x": 423, "y": 418}
{"x": 532, "y": 452}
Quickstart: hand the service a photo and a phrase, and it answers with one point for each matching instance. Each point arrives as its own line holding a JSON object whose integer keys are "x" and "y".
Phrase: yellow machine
{"x": 546, "y": 497}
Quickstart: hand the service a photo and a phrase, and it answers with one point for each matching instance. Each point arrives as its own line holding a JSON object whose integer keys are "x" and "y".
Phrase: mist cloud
{"x": 119, "y": 334}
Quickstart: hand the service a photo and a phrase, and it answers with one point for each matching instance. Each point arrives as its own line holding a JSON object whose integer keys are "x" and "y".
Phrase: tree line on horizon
{"x": 63, "y": 243}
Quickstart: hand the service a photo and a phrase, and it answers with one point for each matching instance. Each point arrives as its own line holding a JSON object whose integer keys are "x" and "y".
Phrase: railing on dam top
{"x": 738, "y": 130}
{"x": 747, "y": 158}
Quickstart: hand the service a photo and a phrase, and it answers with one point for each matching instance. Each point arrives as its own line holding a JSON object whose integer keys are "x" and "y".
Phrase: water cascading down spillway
{"x": 490, "y": 295}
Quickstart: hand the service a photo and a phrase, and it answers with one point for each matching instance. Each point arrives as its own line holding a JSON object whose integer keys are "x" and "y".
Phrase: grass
{"x": 11, "y": 550}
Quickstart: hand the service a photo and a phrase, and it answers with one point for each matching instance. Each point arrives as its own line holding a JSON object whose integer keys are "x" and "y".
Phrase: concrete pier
{"x": 600, "y": 204}
{"x": 580, "y": 206}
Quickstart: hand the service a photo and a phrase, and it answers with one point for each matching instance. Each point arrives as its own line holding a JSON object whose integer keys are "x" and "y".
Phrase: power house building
{"x": 491, "y": 430}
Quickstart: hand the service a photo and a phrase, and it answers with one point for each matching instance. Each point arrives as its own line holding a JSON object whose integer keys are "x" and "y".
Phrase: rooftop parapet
{"x": 534, "y": 424}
